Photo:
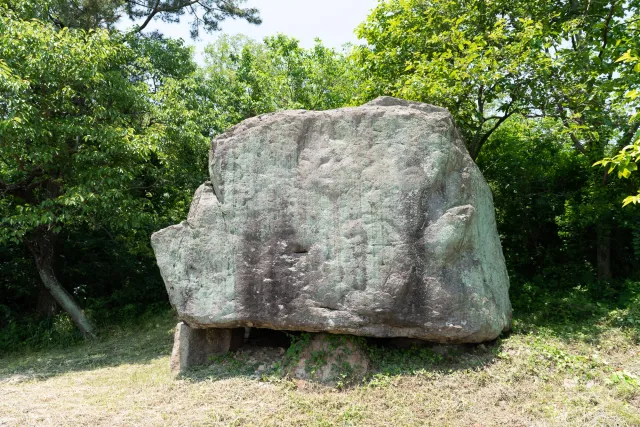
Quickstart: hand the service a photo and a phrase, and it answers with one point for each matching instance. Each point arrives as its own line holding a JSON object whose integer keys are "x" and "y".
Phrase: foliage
{"x": 627, "y": 314}
{"x": 388, "y": 361}
{"x": 117, "y": 125}
{"x": 103, "y": 136}
{"x": 487, "y": 62}
{"x": 206, "y": 14}
{"x": 91, "y": 14}
{"x": 584, "y": 40}
{"x": 99, "y": 133}
{"x": 89, "y": 125}
{"x": 298, "y": 344}
{"x": 473, "y": 57}
{"x": 247, "y": 78}
{"x": 73, "y": 130}
{"x": 24, "y": 334}
{"x": 532, "y": 174}
{"x": 626, "y": 384}
{"x": 625, "y": 161}
{"x": 582, "y": 82}
{"x": 330, "y": 352}
{"x": 544, "y": 204}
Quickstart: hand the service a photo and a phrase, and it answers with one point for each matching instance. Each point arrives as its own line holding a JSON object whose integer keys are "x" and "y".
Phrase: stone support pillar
{"x": 192, "y": 347}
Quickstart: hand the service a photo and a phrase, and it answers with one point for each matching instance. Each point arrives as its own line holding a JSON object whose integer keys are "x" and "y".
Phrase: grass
{"x": 584, "y": 374}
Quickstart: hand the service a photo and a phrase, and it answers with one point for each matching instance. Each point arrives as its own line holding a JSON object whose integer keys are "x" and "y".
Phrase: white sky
{"x": 333, "y": 21}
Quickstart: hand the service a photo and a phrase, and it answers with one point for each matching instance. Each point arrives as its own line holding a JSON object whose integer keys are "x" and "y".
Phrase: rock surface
{"x": 192, "y": 347}
{"x": 370, "y": 221}
{"x": 330, "y": 358}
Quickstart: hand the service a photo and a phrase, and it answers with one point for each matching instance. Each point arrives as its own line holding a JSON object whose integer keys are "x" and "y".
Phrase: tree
{"x": 475, "y": 58}
{"x": 89, "y": 14}
{"x": 488, "y": 61}
{"x": 206, "y": 14}
{"x": 533, "y": 173}
{"x": 246, "y": 78}
{"x": 89, "y": 127}
{"x": 626, "y": 160}
{"x": 583, "y": 83}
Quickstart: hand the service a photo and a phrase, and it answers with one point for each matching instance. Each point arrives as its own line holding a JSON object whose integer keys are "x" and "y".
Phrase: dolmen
{"x": 370, "y": 221}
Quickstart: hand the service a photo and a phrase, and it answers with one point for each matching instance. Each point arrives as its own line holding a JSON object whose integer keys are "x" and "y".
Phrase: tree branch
{"x": 153, "y": 13}
{"x": 605, "y": 30}
{"x": 157, "y": 9}
{"x": 23, "y": 189}
{"x": 565, "y": 122}
{"x": 627, "y": 137}
{"x": 478, "y": 146}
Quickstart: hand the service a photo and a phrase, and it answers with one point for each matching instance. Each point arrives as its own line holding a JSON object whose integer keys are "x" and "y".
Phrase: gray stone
{"x": 192, "y": 347}
{"x": 330, "y": 358}
{"x": 370, "y": 221}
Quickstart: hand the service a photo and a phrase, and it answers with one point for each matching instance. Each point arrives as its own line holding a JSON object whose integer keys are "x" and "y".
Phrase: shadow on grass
{"x": 570, "y": 321}
{"x": 265, "y": 357}
{"x": 566, "y": 321}
{"x": 137, "y": 343}
{"x": 441, "y": 358}
{"x": 388, "y": 358}
{"x": 590, "y": 326}
{"x": 576, "y": 315}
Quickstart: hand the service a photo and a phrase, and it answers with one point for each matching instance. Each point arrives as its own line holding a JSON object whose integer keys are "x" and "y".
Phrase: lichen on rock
{"x": 369, "y": 221}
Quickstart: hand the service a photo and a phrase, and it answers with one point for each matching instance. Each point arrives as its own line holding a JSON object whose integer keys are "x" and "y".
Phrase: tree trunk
{"x": 46, "y": 306}
{"x": 603, "y": 236}
{"x": 41, "y": 246}
{"x": 604, "y": 252}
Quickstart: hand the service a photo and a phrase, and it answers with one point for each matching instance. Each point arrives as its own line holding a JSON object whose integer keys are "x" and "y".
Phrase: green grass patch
{"x": 548, "y": 373}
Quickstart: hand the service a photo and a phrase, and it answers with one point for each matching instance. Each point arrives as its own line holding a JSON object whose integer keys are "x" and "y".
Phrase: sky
{"x": 333, "y": 21}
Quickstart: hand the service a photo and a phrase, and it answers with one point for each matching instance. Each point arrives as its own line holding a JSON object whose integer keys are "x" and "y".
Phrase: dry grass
{"x": 534, "y": 377}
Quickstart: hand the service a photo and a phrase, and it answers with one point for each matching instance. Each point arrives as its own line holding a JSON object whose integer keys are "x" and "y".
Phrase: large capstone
{"x": 370, "y": 221}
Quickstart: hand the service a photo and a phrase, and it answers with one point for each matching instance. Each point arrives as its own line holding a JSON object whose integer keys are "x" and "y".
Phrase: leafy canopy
{"x": 472, "y": 57}
{"x": 88, "y": 126}
{"x": 246, "y": 78}
{"x": 90, "y": 14}
{"x": 626, "y": 160}
{"x": 486, "y": 61}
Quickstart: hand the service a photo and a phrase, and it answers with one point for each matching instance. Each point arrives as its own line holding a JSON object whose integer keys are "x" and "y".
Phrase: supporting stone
{"x": 192, "y": 347}
{"x": 329, "y": 358}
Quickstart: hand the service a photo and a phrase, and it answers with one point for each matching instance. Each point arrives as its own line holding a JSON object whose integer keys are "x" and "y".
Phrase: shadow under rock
{"x": 266, "y": 356}
{"x": 263, "y": 354}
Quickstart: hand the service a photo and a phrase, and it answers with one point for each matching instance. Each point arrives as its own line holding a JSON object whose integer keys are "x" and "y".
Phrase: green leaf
{"x": 625, "y": 57}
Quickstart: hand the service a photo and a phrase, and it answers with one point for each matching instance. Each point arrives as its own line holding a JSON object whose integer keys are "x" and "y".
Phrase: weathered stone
{"x": 328, "y": 358}
{"x": 192, "y": 347}
{"x": 370, "y": 221}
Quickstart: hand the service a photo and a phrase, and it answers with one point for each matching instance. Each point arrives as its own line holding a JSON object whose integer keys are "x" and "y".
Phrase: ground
{"x": 582, "y": 375}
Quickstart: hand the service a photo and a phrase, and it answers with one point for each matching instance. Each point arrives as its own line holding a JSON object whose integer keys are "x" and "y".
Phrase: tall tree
{"x": 582, "y": 84}
{"x": 87, "y": 14}
{"x": 50, "y": 118}
{"x": 246, "y": 78}
{"x": 487, "y": 61}
{"x": 89, "y": 126}
{"x": 473, "y": 57}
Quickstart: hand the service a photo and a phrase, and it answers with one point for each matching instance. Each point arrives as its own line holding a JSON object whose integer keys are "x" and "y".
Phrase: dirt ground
{"x": 577, "y": 376}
